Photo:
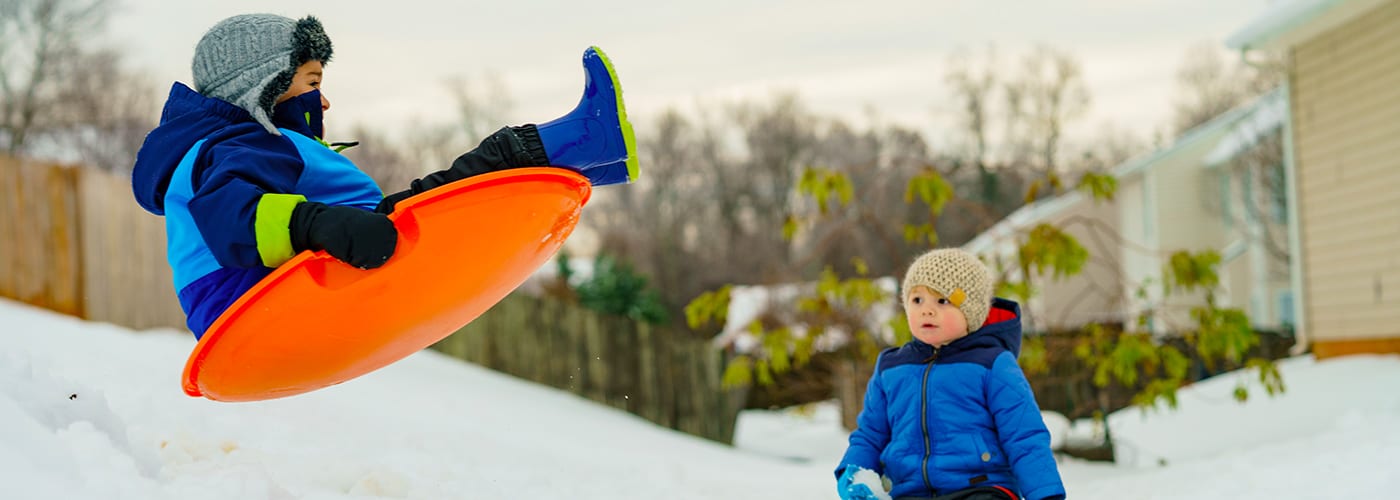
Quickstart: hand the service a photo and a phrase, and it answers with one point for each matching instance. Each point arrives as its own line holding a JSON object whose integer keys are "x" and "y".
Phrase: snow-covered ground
{"x": 93, "y": 411}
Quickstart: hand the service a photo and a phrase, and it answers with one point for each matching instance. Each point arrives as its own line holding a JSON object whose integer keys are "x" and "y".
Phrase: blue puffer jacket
{"x": 227, "y": 188}
{"x": 940, "y": 420}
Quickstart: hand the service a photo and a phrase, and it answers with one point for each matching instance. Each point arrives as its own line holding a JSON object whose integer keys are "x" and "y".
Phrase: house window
{"x": 1248, "y": 184}
{"x": 1278, "y": 196}
{"x": 1226, "y": 214}
{"x": 1285, "y": 309}
{"x": 1149, "y": 185}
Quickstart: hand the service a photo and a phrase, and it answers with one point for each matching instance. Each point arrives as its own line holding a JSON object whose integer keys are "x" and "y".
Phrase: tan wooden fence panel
{"x": 127, "y": 277}
{"x": 74, "y": 240}
{"x": 39, "y": 233}
{"x": 667, "y": 377}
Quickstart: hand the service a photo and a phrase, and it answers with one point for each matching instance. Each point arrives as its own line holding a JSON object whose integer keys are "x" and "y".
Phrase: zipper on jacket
{"x": 923, "y": 420}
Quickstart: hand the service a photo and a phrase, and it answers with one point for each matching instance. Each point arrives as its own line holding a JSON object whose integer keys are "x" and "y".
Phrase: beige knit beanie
{"x": 958, "y": 275}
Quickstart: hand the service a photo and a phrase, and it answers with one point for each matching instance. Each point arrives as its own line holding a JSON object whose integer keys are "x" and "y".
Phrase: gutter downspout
{"x": 1302, "y": 342}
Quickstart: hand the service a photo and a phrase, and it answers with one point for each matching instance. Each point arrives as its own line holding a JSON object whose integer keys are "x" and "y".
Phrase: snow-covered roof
{"x": 1021, "y": 219}
{"x": 1266, "y": 115}
{"x": 1255, "y": 114}
{"x": 748, "y": 303}
{"x": 1286, "y": 22}
{"x": 1210, "y": 130}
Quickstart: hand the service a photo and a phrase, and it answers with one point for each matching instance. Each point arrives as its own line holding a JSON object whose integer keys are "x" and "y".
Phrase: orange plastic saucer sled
{"x": 317, "y": 322}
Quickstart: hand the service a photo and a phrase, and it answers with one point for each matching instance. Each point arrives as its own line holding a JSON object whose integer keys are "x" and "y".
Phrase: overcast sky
{"x": 842, "y": 57}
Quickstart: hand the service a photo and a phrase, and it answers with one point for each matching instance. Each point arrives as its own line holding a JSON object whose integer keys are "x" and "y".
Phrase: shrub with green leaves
{"x": 1132, "y": 356}
{"x": 616, "y": 288}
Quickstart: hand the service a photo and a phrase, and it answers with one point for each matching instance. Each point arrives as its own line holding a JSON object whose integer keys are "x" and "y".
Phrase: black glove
{"x": 430, "y": 181}
{"x": 357, "y": 237}
{"x": 509, "y": 147}
{"x": 386, "y": 205}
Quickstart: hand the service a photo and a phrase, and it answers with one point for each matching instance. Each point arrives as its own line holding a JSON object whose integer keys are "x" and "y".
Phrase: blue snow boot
{"x": 595, "y": 138}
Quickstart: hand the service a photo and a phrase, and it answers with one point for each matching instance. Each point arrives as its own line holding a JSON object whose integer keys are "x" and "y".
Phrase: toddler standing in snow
{"x": 949, "y": 415}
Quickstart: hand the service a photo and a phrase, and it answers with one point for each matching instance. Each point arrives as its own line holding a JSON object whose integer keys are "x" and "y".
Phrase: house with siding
{"x": 1188, "y": 195}
{"x": 1342, "y": 146}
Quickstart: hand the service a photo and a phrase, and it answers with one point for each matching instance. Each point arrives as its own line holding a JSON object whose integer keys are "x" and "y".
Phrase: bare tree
{"x": 1252, "y": 197}
{"x": 383, "y": 160}
{"x": 481, "y": 106}
{"x": 104, "y": 115}
{"x": 665, "y": 224}
{"x": 1260, "y": 174}
{"x": 711, "y": 186}
{"x": 654, "y": 223}
{"x": 430, "y": 147}
{"x": 1111, "y": 146}
{"x": 1207, "y": 85}
{"x": 879, "y": 163}
{"x": 716, "y": 182}
{"x": 41, "y": 52}
{"x": 974, "y": 90}
{"x": 1041, "y": 100}
{"x": 1012, "y": 131}
{"x": 780, "y": 140}
{"x": 482, "y": 103}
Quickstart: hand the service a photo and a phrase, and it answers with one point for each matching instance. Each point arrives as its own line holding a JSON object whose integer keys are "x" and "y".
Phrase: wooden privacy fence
{"x": 665, "y": 376}
{"x": 75, "y": 241}
{"x": 39, "y": 231}
{"x": 125, "y": 271}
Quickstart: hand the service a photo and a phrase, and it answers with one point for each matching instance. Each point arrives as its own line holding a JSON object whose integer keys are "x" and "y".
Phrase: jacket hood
{"x": 189, "y": 117}
{"x": 1002, "y": 329}
{"x": 186, "y": 118}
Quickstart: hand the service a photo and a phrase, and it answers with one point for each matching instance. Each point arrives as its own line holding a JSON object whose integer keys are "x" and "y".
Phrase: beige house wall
{"x": 1139, "y": 257}
{"x": 1166, "y": 202}
{"x": 1346, "y": 122}
{"x": 1166, "y": 208}
{"x": 1095, "y": 294}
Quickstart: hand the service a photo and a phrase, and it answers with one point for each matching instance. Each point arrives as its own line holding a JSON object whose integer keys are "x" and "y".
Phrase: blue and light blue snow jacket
{"x": 938, "y": 420}
{"x": 227, "y": 187}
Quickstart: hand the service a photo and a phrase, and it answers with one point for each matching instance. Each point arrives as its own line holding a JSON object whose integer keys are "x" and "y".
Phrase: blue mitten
{"x": 847, "y": 487}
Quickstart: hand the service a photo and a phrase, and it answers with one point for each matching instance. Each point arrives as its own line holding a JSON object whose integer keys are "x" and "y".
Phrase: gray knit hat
{"x": 249, "y": 60}
{"x": 958, "y": 275}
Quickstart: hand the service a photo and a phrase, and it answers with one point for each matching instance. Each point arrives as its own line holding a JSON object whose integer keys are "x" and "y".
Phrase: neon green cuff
{"x": 271, "y": 227}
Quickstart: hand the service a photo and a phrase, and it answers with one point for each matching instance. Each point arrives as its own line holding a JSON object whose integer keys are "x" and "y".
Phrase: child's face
{"x": 307, "y": 78}
{"x": 932, "y": 318}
